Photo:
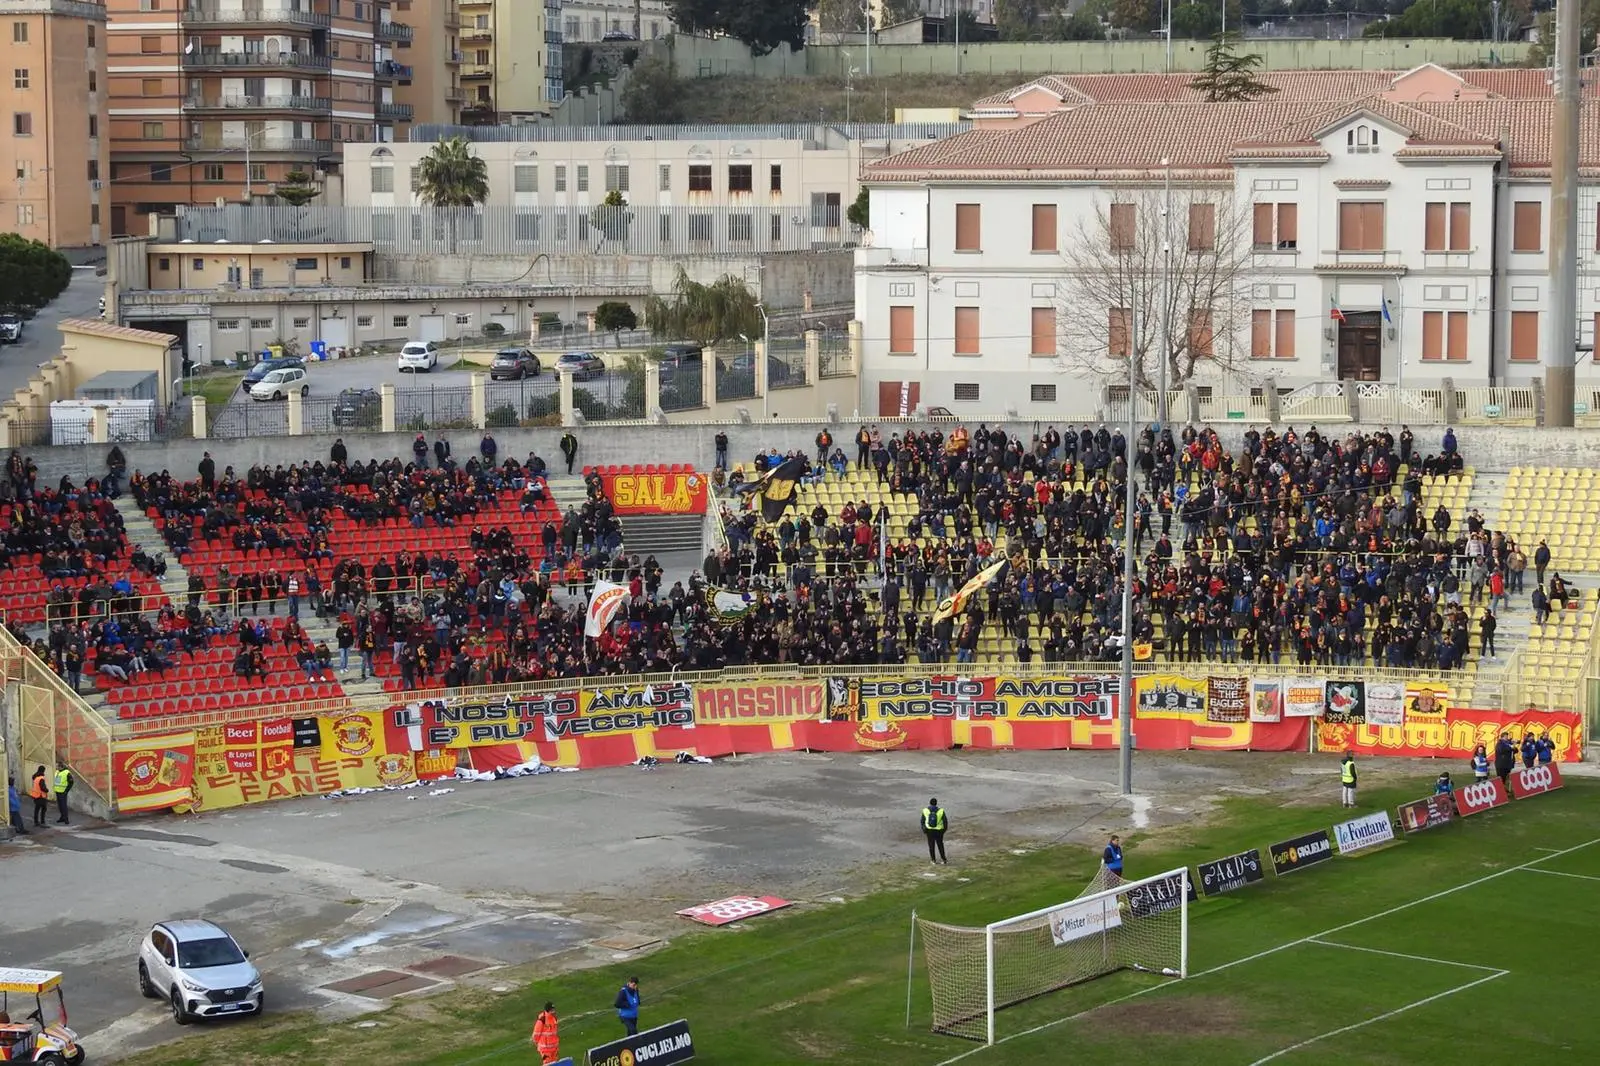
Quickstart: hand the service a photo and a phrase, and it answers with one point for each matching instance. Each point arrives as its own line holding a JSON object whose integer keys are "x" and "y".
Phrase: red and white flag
{"x": 603, "y": 606}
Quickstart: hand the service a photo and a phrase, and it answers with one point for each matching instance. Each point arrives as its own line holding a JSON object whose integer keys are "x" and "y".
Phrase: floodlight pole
{"x": 1125, "y": 711}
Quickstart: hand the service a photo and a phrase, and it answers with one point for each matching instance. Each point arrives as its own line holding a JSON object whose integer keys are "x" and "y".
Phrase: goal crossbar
{"x": 1113, "y": 925}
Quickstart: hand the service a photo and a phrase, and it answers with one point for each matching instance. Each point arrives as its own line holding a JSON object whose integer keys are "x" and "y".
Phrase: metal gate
{"x": 36, "y": 727}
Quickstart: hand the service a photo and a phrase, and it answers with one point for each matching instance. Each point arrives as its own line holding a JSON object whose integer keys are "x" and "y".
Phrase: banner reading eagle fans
{"x": 1455, "y": 733}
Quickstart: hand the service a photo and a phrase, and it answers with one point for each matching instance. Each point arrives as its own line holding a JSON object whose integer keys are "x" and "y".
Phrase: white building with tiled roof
{"x": 1387, "y": 227}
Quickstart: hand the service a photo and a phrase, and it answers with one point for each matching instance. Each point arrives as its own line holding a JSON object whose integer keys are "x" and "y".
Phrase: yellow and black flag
{"x": 777, "y": 486}
{"x": 951, "y": 606}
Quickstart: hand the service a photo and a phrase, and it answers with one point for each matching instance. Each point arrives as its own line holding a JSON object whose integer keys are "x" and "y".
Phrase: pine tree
{"x": 1229, "y": 74}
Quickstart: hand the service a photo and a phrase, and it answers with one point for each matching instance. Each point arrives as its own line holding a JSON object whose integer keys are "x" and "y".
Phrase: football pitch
{"x": 1480, "y": 930}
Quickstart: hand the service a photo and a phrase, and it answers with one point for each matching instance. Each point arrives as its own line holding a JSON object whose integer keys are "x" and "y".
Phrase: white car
{"x": 419, "y": 355}
{"x": 278, "y": 384}
{"x": 200, "y": 971}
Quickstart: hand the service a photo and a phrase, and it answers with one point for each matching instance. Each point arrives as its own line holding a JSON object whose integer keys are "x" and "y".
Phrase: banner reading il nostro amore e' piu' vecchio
{"x": 612, "y": 726}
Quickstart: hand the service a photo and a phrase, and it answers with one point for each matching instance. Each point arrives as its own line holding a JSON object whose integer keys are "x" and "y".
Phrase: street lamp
{"x": 1125, "y": 735}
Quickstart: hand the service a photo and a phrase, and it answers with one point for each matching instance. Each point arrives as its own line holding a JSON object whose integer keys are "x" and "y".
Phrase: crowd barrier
{"x": 249, "y": 762}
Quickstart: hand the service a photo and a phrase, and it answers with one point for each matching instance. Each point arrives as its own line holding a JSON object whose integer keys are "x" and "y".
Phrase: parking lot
{"x": 439, "y": 398}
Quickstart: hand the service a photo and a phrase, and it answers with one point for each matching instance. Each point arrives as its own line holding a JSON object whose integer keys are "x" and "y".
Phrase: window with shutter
{"x": 902, "y": 330}
{"x": 968, "y": 233}
{"x": 966, "y": 331}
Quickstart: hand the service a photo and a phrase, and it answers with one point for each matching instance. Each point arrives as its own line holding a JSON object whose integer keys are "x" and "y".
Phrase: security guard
{"x": 1112, "y": 856}
{"x": 63, "y": 785}
{"x": 547, "y": 1034}
{"x": 1347, "y": 778}
{"x": 934, "y": 824}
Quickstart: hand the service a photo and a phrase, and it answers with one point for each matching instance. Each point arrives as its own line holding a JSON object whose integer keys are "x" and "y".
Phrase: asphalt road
{"x": 41, "y": 340}
{"x": 440, "y": 397}
{"x": 511, "y": 872}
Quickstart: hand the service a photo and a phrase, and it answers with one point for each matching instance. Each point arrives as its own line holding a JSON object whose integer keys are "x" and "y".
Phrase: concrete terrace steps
{"x": 660, "y": 535}
{"x": 142, "y": 533}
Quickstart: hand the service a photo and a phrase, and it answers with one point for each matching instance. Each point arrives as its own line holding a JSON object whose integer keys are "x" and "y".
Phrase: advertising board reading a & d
{"x": 1230, "y": 873}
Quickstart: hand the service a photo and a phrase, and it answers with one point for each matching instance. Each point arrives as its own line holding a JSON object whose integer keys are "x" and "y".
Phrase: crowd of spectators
{"x": 1281, "y": 553}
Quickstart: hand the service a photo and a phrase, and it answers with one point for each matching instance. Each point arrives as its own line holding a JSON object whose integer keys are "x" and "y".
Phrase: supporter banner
{"x": 733, "y": 909}
{"x": 452, "y": 723}
{"x": 356, "y": 735}
{"x": 1228, "y": 699}
{"x": 680, "y": 493}
{"x": 665, "y": 1045}
{"x": 1158, "y": 693}
{"x": 1266, "y": 700}
{"x": 152, "y": 773}
{"x": 1386, "y": 703}
{"x": 1304, "y": 697}
{"x": 1159, "y": 896}
{"x": 1427, "y": 699}
{"x": 604, "y": 601}
{"x": 1076, "y": 921}
{"x": 252, "y": 746}
{"x": 759, "y": 702}
{"x": 1427, "y": 813}
{"x": 1529, "y": 781}
{"x": 973, "y": 698}
{"x": 1346, "y": 702}
{"x": 1299, "y": 852}
{"x": 1455, "y": 733}
{"x": 1480, "y": 796}
{"x": 1231, "y": 873}
{"x": 624, "y": 709}
{"x": 436, "y": 763}
{"x": 309, "y": 773}
{"x": 1368, "y": 831}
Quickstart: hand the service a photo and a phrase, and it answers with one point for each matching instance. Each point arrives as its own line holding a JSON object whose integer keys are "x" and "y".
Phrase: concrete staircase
{"x": 1516, "y": 619}
{"x": 142, "y": 533}
{"x": 656, "y": 535}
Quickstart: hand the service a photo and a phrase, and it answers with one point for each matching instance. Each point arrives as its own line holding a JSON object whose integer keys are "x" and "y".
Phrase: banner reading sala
{"x": 684, "y": 492}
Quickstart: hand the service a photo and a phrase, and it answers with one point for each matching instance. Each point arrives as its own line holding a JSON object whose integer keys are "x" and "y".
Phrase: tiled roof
{"x": 1197, "y": 136}
{"x": 106, "y": 329}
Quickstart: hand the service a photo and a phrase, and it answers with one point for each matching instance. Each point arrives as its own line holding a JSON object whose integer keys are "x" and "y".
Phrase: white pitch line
{"x": 1563, "y": 873}
{"x": 1385, "y": 1016}
{"x": 1403, "y": 955}
{"x": 1485, "y": 879}
{"x": 1551, "y": 850}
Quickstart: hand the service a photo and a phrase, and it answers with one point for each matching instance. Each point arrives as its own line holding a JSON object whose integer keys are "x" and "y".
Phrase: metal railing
{"x": 833, "y": 354}
{"x": 397, "y": 112}
{"x": 259, "y": 103}
{"x": 504, "y": 229}
{"x": 201, "y": 14}
{"x": 388, "y": 68}
{"x": 394, "y": 31}
{"x": 308, "y": 146}
{"x": 206, "y": 57}
{"x": 812, "y": 133}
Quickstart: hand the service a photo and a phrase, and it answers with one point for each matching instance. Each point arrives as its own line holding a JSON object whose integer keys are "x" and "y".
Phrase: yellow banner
{"x": 1171, "y": 696}
{"x": 311, "y": 774}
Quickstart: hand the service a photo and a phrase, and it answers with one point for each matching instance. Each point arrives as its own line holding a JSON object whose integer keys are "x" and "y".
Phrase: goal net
{"x": 1113, "y": 925}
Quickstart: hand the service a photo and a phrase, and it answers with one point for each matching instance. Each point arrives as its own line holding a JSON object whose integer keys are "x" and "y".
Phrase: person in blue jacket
{"x": 628, "y": 1005}
{"x": 1112, "y": 856}
{"x": 1545, "y": 749}
{"x": 1505, "y": 757}
{"x": 1480, "y": 764}
{"x": 1445, "y": 787}
{"x": 1530, "y": 749}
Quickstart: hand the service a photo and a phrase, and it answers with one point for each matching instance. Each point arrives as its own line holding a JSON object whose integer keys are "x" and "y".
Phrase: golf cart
{"x": 36, "y": 1032}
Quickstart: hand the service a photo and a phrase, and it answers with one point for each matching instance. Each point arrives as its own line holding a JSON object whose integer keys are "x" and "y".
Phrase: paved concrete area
{"x": 41, "y": 340}
{"x": 501, "y": 873}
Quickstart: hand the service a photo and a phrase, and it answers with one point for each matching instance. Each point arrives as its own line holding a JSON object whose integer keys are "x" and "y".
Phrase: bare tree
{"x": 1118, "y": 292}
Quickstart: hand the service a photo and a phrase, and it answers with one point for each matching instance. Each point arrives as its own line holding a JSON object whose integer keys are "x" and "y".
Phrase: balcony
{"x": 455, "y": 95}
{"x": 393, "y": 31}
{"x": 1371, "y": 261}
{"x": 207, "y": 59}
{"x": 476, "y": 36}
{"x": 389, "y": 70}
{"x": 452, "y": 17}
{"x": 264, "y": 15}
{"x": 297, "y": 145}
{"x": 258, "y": 103}
{"x": 455, "y": 59}
{"x": 476, "y": 70}
{"x": 394, "y": 112}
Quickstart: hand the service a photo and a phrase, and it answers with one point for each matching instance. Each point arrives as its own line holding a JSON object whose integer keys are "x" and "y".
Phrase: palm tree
{"x": 452, "y": 178}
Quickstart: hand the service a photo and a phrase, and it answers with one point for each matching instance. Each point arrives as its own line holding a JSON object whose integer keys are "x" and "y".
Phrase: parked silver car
{"x": 200, "y": 970}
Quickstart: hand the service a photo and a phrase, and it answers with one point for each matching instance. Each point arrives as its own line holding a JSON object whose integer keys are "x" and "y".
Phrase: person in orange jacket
{"x": 546, "y": 1035}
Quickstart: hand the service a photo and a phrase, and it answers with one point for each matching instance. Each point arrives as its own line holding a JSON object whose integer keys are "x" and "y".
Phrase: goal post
{"x": 976, "y": 971}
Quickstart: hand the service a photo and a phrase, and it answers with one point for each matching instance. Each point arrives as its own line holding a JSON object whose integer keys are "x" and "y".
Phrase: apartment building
{"x": 1398, "y": 234}
{"x": 511, "y": 65}
{"x": 427, "y": 46}
{"x": 587, "y": 21}
{"x": 221, "y": 99}
{"x": 54, "y": 151}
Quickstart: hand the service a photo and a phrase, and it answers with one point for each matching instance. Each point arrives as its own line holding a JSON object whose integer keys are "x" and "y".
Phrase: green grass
{"x": 828, "y": 983}
{"x": 217, "y": 388}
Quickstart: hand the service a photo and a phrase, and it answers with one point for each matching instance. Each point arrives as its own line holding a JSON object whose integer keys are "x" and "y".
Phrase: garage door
{"x": 507, "y": 322}
{"x": 335, "y": 332}
{"x": 432, "y": 328}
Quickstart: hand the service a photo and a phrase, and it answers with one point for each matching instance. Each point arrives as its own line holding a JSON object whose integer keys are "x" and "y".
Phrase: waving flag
{"x": 603, "y": 605}
{"x": 951, "y": 606}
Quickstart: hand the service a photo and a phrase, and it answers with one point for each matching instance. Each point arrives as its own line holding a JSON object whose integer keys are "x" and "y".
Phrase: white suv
{"x": 199, "y": 970}
{"x": 419, "y": 355}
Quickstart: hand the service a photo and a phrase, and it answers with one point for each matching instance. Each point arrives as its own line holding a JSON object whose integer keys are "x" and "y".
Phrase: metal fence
{"x": 786, "y": 362}
{"x": 509, "y": 230}
{"x": 417, "y": 410}
{"x": 812, "y": 133}
{"x": 614, "y": 396}
{"x": 531, "y": 401}
{"x": 833, "y": 354}
{"x": 683, "y": 391}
